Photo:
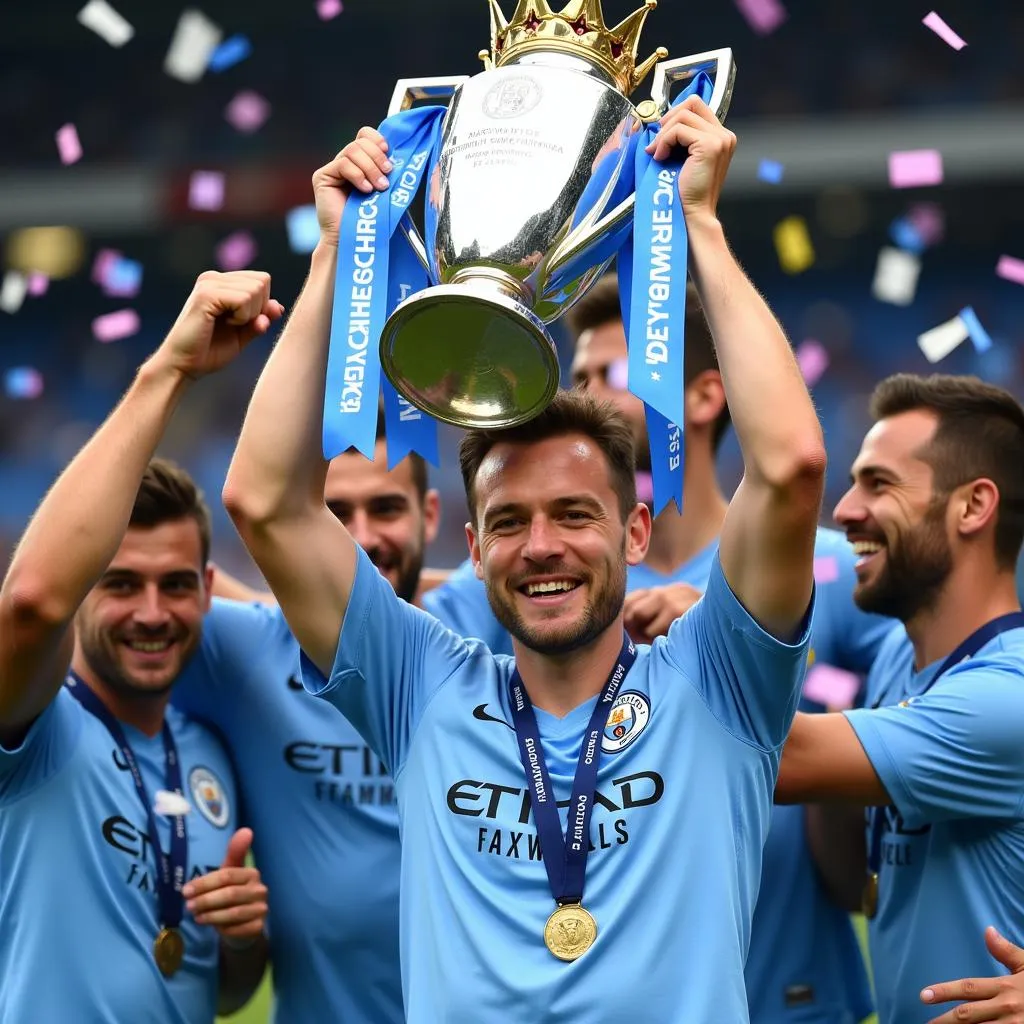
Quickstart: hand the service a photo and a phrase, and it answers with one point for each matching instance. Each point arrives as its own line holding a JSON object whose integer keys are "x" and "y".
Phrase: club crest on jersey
{"x": 627, "y": 719}
{"x": 209, "y": 796}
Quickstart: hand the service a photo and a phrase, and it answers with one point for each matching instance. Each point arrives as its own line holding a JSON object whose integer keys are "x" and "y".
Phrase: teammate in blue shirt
{"x": 804, "y": 962}
{"x": 669, "y": 764}
{"x": 124, "y": 893}
{"x": 934, "y": 512}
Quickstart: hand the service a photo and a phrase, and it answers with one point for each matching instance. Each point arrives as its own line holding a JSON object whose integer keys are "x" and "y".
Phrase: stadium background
{"x": 827, "y": 95}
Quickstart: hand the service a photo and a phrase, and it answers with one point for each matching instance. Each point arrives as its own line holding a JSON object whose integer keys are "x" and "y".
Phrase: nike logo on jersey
{"x": 480, "y": 713}
{"x": 295, "y": 683}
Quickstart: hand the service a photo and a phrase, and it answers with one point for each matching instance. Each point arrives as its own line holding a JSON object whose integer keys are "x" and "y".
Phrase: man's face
{"x": 383, "y": 513}
{"x": 550, "y": 543}
{"x": 895, "y": 519}
{"x": 143, "y": 620}
{"x": 599, "y": 366}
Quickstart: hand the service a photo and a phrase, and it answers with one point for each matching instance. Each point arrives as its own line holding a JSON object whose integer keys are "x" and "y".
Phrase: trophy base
{"x": 470, "y": 355}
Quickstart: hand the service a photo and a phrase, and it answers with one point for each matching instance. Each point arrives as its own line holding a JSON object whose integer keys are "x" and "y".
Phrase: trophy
{"x": 524, "y": 201}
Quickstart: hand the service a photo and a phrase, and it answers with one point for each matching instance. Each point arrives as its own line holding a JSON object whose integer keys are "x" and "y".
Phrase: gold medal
{"x": 869, "y": 898}
{"x": 570, "y": 931}
{"x": 169, "y": 951}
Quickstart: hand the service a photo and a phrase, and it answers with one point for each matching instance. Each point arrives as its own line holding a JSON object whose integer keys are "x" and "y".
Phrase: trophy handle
{"x": 666, "y": 74}
{"x": 407, "y": 92}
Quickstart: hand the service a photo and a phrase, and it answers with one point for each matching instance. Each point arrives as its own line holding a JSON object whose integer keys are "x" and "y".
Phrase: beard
{"x": 598, "y": 614}
{"x": 915, "y": 569}
{"x": 407, "y": 571}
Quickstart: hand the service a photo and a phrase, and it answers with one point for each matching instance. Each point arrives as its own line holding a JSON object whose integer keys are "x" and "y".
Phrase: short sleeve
{"x": 390, "y": 661}
{"x": 955, "y": 752}
{"x": 47, "y": 747}
{"x": 461, "y": 604}
{"x": 749, "y": 679}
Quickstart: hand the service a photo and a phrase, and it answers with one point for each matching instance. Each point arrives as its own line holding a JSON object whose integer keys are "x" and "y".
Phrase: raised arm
{"x": 77, "y": 529}
{"x": 275, "y": 487}
{"x": 767, "y": 544}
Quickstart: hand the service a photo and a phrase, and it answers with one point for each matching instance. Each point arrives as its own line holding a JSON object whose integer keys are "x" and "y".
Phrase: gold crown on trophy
{"x": 577, "y": 29}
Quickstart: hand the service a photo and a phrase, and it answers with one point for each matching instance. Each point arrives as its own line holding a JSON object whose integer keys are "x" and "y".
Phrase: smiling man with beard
{"x": 936, "y": 512}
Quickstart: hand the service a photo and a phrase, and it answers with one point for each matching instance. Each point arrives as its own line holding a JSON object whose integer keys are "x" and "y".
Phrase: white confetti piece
{"x": 943, "y": 31}
{"x": 896, "y": 275}
{"x": 937, "y": 343}
{"x": 13, "y": 291}
{"x": 68, "y": 145}
{"x": 195, "y": 39}
{"x": 171, "y": 805}
{"x": 99, "y": 16}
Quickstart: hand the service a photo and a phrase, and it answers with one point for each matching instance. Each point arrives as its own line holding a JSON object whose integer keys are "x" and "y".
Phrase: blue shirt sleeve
{"x": 956, "y": 751}
{"x": 749, "y": 679}
{"x": 461, "y": 604}
{"x": 47, "y": 747}
{"x": 391, "y": 660}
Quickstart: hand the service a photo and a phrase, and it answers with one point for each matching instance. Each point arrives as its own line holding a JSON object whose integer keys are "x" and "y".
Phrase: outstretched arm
{"x": 275, "y": 487}
{"x": 767, "y": 545}
{"x": 77, "y": 529}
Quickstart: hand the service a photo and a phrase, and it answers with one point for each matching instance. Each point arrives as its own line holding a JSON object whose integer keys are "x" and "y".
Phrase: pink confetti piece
{"x": 248, "y": 111}
{"x": 943, "y": 31}
{"x": 105, "y": 259}
{"x": 114, "y": 326}
{"x": 1011, "y": 268}
{"x": 37, "y": 284}
{"x": 328, "y": 9}
{"x": 763, "y": 16}
{"x": 206, "y": 190}
{"x": 928, "y": 221}
{"x": 826, "y": 569}
{"x": 237, "y": 251}
{"x": 812, "y": 359}
{"x": 68, "y": 145}
{"x": 834, "y": 687}
{"x": 913, "y": 168}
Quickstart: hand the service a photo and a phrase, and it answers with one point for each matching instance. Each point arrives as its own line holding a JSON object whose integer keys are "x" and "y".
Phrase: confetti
{"x": 99, "y": 16}
{"x": 37, "y": 283}
{"x": 328, "y": 9}
{"x": 834, "y": 687}
{"x": 303, "y": 228}
{"x": 937, "y": 343}
{"x": 769, "y": 171}
{"x": 68, "y": 145}
{"x": 231, "y": 52}
{"x": 793, "y": 245}
{"x": 236, "y": 252}
{"x": 23, "y": 382}
{"x": 618, "y": 374}
{"x": 912, "y": 168}
{"x": 943, "y": 31}
{"x": 928, "y": 221}
{"x": 1011, "y": 268}
{"x": 114, "y": 326}
{"x": 979, "y": 336}
{"x": 906, "y": 235}
{"x": 13, "y": 291}
{"x": 105, "y": 259}
{"x": 206, "y": 190}
{"x": 247, "y": 111}
{"x": 826, "y": 569}
{"x": 644, "y": 487}
{"x": 812, "y": 359}
{"x": 896, "y": 275}
{"x": 195, "y": 39}
{"x": 122, "y": 278}
{"x": 763, "y": 16}
{"x": 171, "y": 805}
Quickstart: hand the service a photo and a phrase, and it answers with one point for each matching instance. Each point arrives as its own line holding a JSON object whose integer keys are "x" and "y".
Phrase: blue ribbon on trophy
{"x": 375, "y": 266}
{"x": 652, "y": 291}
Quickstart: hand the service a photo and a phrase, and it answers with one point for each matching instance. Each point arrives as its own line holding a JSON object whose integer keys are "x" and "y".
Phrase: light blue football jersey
{"x": 804, "y": 963}
{"x": 78, "y": 895}
{"x": 324, "y": 819}
{"x": 952, "y": 760}
{"x": 461, "y": 604}
{"x": 687, "y": 772}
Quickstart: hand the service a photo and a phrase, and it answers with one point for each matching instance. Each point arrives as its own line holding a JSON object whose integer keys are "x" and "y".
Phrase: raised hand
{"x": 222, "y": 315}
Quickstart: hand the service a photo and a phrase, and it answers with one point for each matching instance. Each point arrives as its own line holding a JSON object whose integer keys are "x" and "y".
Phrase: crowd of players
{"x": 362, "y": 726}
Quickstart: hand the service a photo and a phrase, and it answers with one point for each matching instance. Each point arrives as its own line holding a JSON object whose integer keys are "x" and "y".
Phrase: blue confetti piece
{"x": 769, "y": 171}
{"x": 303, "y": 228}
{"x": 979, "y": 336}
{"x": 229, "y": 53}
{"x": 124, "y": 278}
{"x": 23, "y": 382}
{"x": 906, "y": 235}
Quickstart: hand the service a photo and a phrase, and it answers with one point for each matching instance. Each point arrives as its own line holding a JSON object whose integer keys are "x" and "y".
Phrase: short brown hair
{"x": 167, "y": 493}
{"x": 570, "y": 412}
{"x": 601, "y": 306}
{"x": 980, "y": 433}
